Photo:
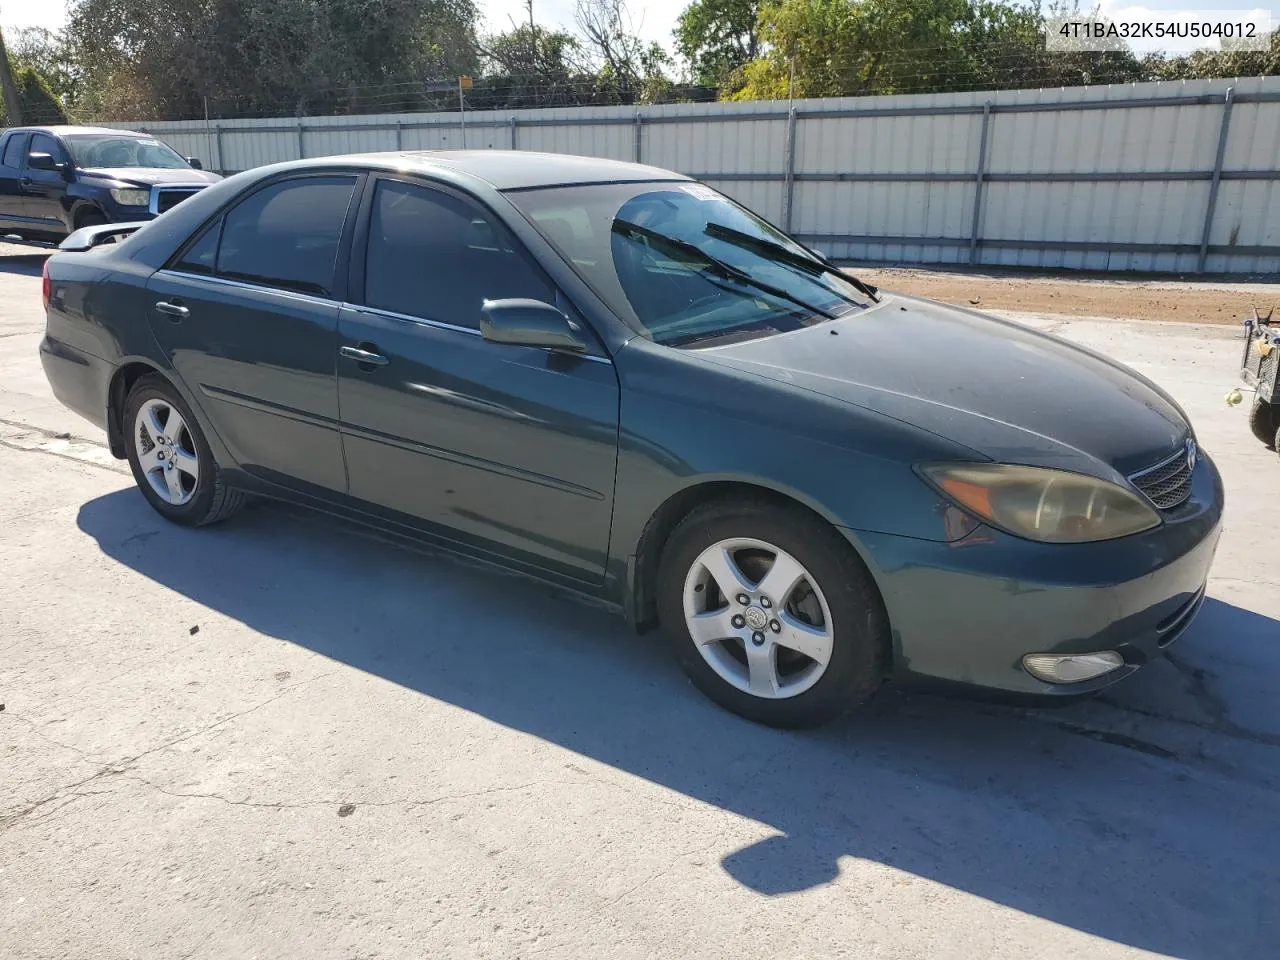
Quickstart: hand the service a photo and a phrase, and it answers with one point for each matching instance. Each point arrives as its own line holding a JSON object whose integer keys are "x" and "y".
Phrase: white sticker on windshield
{"x": 700, "y": 192}
{"x": 150, "y": 143}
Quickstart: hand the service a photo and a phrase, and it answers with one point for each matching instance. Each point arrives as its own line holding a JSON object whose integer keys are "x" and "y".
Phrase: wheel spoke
{"x": 813, "y": 642}
{"x": 710, "y": 627}
{"x": 724, "y": 570}
{"x": 173, "y": 427}
{"x": 151, "y": 423}
{"x": 173, "y": 479}
{"x": 762, "y": 669}
{"x": 781, "y": 579}
{"x": 188, "y": 463}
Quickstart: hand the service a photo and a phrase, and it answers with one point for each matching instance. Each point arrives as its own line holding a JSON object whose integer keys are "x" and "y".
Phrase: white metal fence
{"x": 1168, "y": 177}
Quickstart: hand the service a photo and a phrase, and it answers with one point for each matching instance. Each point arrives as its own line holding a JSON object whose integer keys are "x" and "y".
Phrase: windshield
{"x": 105, "y": 150}
{"x": 686, "y": 266}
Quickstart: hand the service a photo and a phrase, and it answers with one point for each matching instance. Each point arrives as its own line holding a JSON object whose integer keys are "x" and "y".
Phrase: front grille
{"x": 168, "y": 199}
{"x": 1167, "y": 484}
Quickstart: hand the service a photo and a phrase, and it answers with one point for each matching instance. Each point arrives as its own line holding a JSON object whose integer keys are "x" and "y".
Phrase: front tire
{"x": 170, "y": 458}
{"x": 771, "y": 614}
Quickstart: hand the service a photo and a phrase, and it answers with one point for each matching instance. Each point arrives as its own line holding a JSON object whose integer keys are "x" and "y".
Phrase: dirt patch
{"x": 1207, "y": 302}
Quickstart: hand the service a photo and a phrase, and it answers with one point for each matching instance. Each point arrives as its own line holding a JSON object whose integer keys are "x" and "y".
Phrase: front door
{"x": 44, "y": 192}
{"x": 504, "y": 447}
{"x": 248, "y": 315}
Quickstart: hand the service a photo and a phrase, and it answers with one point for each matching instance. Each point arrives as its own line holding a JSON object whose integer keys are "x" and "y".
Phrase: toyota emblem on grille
{"x": 1191, "y": 455}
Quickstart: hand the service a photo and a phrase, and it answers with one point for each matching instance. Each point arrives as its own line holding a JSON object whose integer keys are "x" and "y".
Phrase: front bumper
{"x": 967, "y": 612}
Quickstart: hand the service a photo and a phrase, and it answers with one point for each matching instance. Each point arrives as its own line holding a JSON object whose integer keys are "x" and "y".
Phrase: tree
{"x": 1210, "y": 64}
{"x": 532, "y": 67}
{"x": 38, "y": 103}
{"x": 49, "y": 55}
{"x": 632, "y": 69}
{"x": 828, "y": 48}
{"x": 12, "y": 102}
{"x": 717, "y": 37}
{"x": 160, "y": 59}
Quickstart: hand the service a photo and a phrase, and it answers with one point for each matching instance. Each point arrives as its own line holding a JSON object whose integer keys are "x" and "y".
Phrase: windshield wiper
{"x": 772, "y": 250}
{"x": 719, "y": 266}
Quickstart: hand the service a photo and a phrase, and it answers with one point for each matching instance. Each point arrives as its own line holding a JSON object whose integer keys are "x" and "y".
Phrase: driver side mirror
{"x": 42, "y": 161}
{"x": 194, "y": 163}
{"x": 530, "y": 323}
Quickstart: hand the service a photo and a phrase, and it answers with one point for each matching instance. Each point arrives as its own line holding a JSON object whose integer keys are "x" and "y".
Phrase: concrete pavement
{"x": 282, "y": 737}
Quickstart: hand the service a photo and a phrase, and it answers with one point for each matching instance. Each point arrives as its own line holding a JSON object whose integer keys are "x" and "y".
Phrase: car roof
{"x": 513, "y": 169}
{"x": 63, "y": 130}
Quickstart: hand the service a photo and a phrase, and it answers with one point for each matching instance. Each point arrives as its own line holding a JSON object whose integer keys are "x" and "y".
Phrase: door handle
{"x": 363, "y": 356}
{"x": 174, "y": 311}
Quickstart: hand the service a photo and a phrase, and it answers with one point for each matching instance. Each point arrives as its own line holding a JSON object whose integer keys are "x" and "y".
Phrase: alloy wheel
{"x": 758, "y": 618}
{"x": 166, "y": 452}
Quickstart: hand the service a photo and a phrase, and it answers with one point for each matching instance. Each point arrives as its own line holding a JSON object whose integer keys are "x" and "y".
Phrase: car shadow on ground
{"x": 23, "y": 264}
{"x": 1142, "y": 850}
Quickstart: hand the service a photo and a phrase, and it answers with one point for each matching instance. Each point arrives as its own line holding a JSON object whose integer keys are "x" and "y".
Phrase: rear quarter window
{"x": 286, "y": 235}
{"x": 12, "y": 156}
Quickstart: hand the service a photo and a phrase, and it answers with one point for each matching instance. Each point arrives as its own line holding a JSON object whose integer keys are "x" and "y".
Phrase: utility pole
{"x": 529, "y": 4}
{"x": 12, "y": 105}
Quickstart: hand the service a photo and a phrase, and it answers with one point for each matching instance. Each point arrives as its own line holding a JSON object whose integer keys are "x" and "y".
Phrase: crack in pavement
{"x": 121, "y": 766}
{"x": 408, "y": 802}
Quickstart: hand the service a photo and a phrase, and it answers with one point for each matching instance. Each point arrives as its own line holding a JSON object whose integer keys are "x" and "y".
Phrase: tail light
{"x": 46, "y": 286}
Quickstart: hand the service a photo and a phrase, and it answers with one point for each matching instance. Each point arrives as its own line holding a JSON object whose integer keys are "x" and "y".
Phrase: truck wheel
{"x": 91, "y": 218}
{"x": 1262, "y": 421}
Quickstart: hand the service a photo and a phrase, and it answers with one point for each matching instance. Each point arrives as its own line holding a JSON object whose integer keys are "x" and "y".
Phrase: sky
{"x": 654, "y": 19}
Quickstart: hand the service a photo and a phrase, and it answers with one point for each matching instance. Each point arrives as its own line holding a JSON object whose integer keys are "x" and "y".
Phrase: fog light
{"x": 1071, "y": 667}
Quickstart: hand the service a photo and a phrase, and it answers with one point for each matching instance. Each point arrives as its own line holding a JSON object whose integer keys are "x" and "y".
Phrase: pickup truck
{"x": 56, "y": 180}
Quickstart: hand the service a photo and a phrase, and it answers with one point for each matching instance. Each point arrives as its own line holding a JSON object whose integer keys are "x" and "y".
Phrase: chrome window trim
{"x": 240, "y": 284}
{"x": 359, "y": 308}
{"x": 456, "y": 328}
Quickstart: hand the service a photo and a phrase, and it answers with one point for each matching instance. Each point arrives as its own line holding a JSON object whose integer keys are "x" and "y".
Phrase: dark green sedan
{"x": 616, "y": 379}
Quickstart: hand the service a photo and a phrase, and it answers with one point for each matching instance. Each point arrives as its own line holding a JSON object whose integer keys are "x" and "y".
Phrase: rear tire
{"x": 1263, "y": 422}
{"x": 170, "y": 458}
{"x": 828, "y": 605}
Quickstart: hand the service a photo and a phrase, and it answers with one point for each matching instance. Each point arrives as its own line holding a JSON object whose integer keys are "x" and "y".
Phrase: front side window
{"x": 685, "y": 265}
{"x": 287, "y": 234}
{"x": 434, "y": 256}
{"x": 111, "y": 151}
{"x": 43, "y": 143}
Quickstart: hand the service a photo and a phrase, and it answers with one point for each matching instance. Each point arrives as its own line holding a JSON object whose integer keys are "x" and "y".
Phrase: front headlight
{"x": 1053, "y": 506}
{"x": 131, "y": 197}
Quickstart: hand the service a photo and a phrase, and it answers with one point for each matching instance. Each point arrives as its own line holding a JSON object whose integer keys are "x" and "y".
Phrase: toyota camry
{"x": 616, "y": 379}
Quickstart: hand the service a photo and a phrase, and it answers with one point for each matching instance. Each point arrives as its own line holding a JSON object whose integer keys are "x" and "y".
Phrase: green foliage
{"x": 39, "y": 105}
{"x": 717, "y": 37}
{"x": 827, "y": 48}
{"x": 49, "y": 55}
{"x": 158, "y": 59}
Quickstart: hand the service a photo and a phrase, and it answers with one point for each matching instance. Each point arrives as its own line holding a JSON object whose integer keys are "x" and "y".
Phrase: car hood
{"x": 1003, "y": 390}
{"x": 150, "y": 176}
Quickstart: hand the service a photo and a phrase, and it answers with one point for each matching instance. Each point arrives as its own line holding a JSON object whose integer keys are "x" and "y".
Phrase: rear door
{"x": 44, "y": 192}
{"x": 505, "y": 447}
{"x": 248, "y": 314}
{"x": 13, "y": 153}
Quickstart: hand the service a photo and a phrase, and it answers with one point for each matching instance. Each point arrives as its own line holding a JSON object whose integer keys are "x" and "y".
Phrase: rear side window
{"x": 13, "y": 150}
{"x": 286, "y": 235}
{"x": 434, "y": 256}
{"x": 202, "y": 255}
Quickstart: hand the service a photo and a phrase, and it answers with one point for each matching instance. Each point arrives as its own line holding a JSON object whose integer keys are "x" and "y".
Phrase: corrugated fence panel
{"x": 1098, "y": 178}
